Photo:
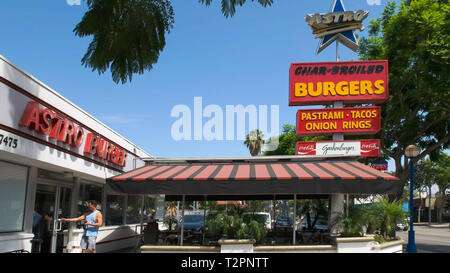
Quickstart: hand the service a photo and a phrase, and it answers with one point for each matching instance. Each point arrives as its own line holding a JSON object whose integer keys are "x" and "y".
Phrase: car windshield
{"x": 318, "y": 222}
{"x": 193, "y": 218}
{"x": 283, "y": 219}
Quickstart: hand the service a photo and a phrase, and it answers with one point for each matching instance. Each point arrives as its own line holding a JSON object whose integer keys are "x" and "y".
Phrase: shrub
{"x": 235, "y": 227}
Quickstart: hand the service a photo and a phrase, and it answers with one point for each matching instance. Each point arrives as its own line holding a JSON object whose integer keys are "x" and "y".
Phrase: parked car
{"x": 321, "y": 224}
{"x": 283, "y": 223}
{"x": 402, "y": 226}
{"x": 192, "y": 222}
{"x": 261, "y": 217}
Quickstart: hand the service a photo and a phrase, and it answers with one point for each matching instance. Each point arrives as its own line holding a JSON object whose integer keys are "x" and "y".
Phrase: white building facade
{"x": 54, "y": 157}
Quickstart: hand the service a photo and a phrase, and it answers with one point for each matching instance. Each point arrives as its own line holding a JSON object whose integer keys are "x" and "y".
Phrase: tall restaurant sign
{"x": 326, "y": 82}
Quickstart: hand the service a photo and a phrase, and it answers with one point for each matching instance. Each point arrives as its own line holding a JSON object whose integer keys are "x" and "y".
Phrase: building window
{"x": 114, "y": 210}
{"x": 13, "y": 187}
{"x": 89, "y": 192}
{"x": 134, "y": 209}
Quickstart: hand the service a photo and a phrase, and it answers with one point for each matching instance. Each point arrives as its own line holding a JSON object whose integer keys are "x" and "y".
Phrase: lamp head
{"x": 411, "y": 151}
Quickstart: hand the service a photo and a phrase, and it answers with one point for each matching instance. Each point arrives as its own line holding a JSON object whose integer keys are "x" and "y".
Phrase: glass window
{"x": 114, "y": 209}
{"x": 134, "y": 209}
{"x": 89, "y": 192}
{"x": 149, "y": 205}
{"x": 13, "y": 186}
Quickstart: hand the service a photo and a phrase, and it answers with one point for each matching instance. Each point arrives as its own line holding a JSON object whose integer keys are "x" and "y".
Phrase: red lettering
{"x": 30, "y": 117}
{"x": 77, "y": 136}
{"x": 112, "y": 154}
{"x": 47, "y": 122}
{"x": 66, "y": 132}
{"x": 46, "y": 118}
{"x": 124, "y": 159}
{"x": 101, "y": 148}
{"x": 116, "y": 156}
{"x": 91, "y": 144}
{"x": 56, "y": 127}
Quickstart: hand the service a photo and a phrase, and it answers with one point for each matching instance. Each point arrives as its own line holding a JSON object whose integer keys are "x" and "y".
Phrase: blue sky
{"x": 240, "y": 60}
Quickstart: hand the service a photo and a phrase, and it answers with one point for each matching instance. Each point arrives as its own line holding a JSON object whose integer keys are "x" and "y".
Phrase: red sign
{"x": 364, "y": 147}
{"x": 47, "y": 122}
{"x": 350, "y": 82}
{"x": 349, "y": 120}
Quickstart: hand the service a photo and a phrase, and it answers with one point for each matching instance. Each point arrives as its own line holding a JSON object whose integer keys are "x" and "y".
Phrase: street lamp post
{"x": 411, "y": 151}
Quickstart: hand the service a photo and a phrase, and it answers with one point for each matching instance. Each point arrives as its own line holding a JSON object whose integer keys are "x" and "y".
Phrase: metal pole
{"x": 336, "y": 200}
{"x": 337, "y": 51}
{"x": 142, "y": 214}
{"x": 204, "y": 222}
{"x": 182, "y": 221}
{"x": 347, "y": 203}
{"x": 273, "y": 213}
{"x": 294, "y": 227}
{"x": 411, "y": 248}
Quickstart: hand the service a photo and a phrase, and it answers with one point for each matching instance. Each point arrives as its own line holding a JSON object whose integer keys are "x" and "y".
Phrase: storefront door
{"x": 52, "y": 203}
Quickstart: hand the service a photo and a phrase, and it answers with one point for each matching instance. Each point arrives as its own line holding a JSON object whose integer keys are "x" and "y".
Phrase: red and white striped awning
{"x": 255, "y": 178}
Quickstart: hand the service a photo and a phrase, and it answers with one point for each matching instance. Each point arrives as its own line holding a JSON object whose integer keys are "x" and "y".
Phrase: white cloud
{"x": 374, "y": 2}
{"x": 73, "y": 2}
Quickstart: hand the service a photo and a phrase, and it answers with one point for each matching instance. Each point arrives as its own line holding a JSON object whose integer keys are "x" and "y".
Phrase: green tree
{"x": 443, "y": 183}
{"x": 288, "y": 140}
{"x": 129, "y": 35}
{"x": 254, "y": 142}
{"x": 415, "y": 38}
{"x": 425, "y": 177}
{"x": 390, "y": 213}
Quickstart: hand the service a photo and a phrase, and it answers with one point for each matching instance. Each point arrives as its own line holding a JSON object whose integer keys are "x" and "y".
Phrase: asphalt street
{"x": 429, "y": 239}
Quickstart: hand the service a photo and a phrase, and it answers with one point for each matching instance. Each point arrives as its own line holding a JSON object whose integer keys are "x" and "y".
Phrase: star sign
{"x": 338, "y": 25}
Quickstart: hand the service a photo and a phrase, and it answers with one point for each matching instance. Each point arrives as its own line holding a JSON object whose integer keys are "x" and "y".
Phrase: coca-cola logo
{"x": 307, "y": 149}
{"x": 368, "y": 147}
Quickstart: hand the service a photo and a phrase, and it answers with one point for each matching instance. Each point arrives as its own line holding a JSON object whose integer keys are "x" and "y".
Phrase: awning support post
{"x": 294, "y": 226}
{"x": 182, "y": 220}
{"x": 336, "y": 210}
{"x": 142, "y": 214}
{"x": 204, "y": 221}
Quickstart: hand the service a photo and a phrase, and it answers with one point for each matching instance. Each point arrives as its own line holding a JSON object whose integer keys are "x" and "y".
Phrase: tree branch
{"x": 432, "y": 148}
{"x": 447, "y": 116}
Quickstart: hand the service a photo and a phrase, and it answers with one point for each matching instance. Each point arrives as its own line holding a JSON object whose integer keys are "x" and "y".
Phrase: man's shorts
{"x": 88, "y": 242}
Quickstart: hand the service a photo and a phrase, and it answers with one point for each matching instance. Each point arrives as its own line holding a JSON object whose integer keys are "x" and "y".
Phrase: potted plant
{"x": 381, "y": 215}
{"x": 234, "y": 233}
{"x": 351, "y": 224}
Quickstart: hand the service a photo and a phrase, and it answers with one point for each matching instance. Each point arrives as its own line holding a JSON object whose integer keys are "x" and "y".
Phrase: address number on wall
{"x": 8, "y": 141}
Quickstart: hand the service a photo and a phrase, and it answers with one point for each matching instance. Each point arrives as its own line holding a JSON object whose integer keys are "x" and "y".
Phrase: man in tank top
{"x": 94, "y": 220}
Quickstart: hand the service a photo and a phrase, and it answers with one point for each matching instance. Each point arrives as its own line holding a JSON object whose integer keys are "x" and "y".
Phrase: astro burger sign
{"x": 326, "y": 82}
{"x": 65, "y": 131}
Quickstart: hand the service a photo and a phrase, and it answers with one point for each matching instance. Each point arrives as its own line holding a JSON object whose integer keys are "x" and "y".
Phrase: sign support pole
{"x": 337, "y": 200}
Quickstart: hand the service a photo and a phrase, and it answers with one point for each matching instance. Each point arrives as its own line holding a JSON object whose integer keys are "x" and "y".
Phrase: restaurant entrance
{"x": 52, "y": 203}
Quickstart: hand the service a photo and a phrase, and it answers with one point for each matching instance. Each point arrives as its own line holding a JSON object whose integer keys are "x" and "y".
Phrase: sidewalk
{"x": 433, "y": 225}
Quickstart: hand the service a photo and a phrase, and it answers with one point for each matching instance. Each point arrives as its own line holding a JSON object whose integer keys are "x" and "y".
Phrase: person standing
{"x": 94, "y": 220}
{"x": 151, "y": 216}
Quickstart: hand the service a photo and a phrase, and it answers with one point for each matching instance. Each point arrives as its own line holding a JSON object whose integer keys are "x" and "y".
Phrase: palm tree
{"x": 389, "y": 214}
{"x": 254, "y": 142}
